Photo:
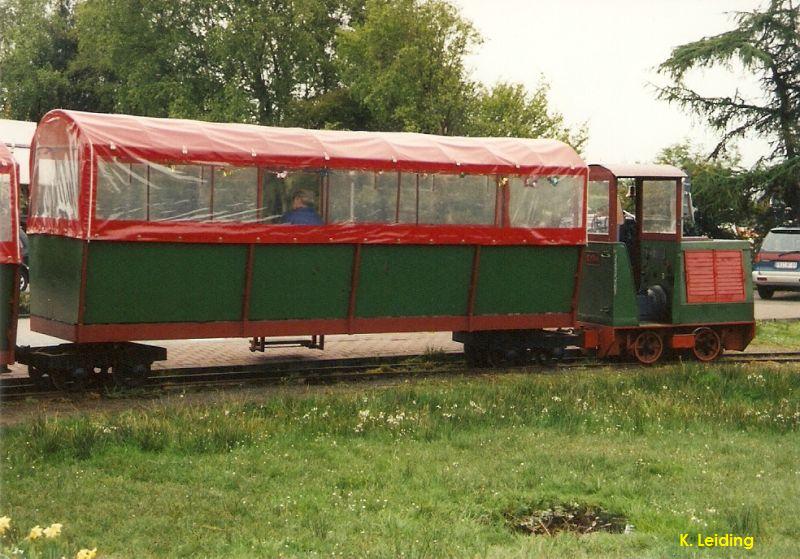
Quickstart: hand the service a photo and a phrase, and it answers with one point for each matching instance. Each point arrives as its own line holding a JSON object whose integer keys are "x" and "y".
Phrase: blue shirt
{"x": 302, "y": 216}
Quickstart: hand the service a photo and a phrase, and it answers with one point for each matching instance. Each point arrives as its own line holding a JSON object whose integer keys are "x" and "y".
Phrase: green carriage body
{"x": 169, "y": 290}
{"x": 99, "y": 277}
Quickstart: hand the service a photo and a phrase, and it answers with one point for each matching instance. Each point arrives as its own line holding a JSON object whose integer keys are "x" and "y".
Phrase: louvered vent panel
{"x": 729, "y": 279}
{"x": 714, "y": 276}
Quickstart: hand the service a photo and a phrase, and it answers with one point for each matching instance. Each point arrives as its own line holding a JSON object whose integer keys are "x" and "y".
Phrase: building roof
{"x": 17, "y": 135}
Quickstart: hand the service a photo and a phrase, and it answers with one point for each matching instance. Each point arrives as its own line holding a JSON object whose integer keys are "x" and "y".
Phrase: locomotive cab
{"x": 646, "y": 289}
{"x": 9, "y": 255}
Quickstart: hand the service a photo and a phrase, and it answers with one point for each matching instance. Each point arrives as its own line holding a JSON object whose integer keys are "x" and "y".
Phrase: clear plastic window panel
{"x": 281, "y": 187}
{"x": 546, "y": 201}
{"x": 57, "y": 183}
{"x": 407, "y": 210}
{"x": 362, "y": 197}
{"x": 180, "y": 192}
{"x": 121, "y": 191}
{"x": 658, "y": 207}
{"x": 456, "y": 199}
{"x": 5, "y": 209}
{"x": 598, "y": 192}
{"x": 235, "y": 196}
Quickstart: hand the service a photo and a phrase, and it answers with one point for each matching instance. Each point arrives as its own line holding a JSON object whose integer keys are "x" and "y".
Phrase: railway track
{"x": 332, "y": 372}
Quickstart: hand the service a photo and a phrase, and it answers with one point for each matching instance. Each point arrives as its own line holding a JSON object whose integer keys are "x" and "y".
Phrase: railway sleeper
{"x": 73, "y": 366}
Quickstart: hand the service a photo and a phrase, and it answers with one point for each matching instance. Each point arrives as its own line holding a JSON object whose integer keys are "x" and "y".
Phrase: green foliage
{"x": 345, "y": 64}
{"x": 508, "y": 109}
{"x": 732, "y": 201}
{"x": 39, "y": 65}
{"x": 178, "y": 59}
{"x": 405, "y": 64}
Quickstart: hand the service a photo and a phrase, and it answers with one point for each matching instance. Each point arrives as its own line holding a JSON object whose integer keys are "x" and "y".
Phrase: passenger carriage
{"x": 10, "y": 256}
{"x": 144, "y": 228}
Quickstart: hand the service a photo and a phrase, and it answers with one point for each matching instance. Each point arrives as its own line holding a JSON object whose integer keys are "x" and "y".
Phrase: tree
{"x": 405, "y": 65}
{"x": 39, "y": 66}
{"x": 767, "y": 44}
{"x": 509, "y": 109}
{"x": 357, "y": 64}
{"x": 239, "y": 60}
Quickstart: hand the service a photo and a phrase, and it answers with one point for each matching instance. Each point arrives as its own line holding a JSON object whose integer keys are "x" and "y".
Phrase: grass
{"x": 427, "y": 469}
{"x": 783, "y": 335}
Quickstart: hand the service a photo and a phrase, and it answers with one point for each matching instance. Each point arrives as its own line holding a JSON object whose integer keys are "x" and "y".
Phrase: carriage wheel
{"x": 648, "y": 347}
{"x": 131, "y": 376}
{"x": 475, "y": 355}
{"x": 504, "y": 355}
{"x": 59, "y": 379}
{"x": 542, "y": 357}
{"x": 707, "y": 345}
{"x": 38, "y": 377}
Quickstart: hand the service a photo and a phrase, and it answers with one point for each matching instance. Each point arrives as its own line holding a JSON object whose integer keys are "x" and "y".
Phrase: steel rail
{"x": 342, "y": 370}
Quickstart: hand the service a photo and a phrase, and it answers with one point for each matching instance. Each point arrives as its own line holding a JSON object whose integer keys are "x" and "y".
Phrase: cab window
{"x": 598, "y": 192}
{"x": 658, "y": 206}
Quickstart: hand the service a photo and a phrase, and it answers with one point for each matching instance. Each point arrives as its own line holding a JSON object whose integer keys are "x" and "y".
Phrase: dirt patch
{"x": 575, "y": 518}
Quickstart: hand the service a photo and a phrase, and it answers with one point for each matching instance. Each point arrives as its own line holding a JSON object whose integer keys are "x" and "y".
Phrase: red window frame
{"x": 9, "y": 250}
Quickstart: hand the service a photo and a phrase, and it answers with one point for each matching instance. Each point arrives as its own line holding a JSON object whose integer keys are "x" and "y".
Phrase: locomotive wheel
{"x": 648, "y": 347}
{"x": 707, "y": 345}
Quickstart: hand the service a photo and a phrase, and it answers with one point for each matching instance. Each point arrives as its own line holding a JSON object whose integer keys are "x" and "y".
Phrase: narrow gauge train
{"x": 144, "y": 228}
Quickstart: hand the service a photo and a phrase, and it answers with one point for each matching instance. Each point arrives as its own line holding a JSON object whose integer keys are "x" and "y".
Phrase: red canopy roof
{"x": 6, "y": 159}
{"x": 184, "y": 140}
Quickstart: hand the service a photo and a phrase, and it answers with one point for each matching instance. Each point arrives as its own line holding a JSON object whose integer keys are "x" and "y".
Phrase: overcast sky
{"x": 599, "y": 57}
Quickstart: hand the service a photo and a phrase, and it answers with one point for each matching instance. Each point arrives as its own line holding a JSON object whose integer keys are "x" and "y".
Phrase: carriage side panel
{"x": 300, "y": 282}
{"x": 413, "y": 280}
{"x": 55, "y": 264}
{"x": 163, "y": 282}
{"x": 526, "y": 280}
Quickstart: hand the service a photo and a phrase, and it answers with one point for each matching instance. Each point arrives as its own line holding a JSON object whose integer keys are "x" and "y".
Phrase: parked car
{"x": 24, "y": 272}
{"x": 777, "y": 265}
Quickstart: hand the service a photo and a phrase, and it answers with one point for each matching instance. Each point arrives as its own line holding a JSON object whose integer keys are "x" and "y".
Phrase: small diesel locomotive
{"x": 144, "y": 228}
